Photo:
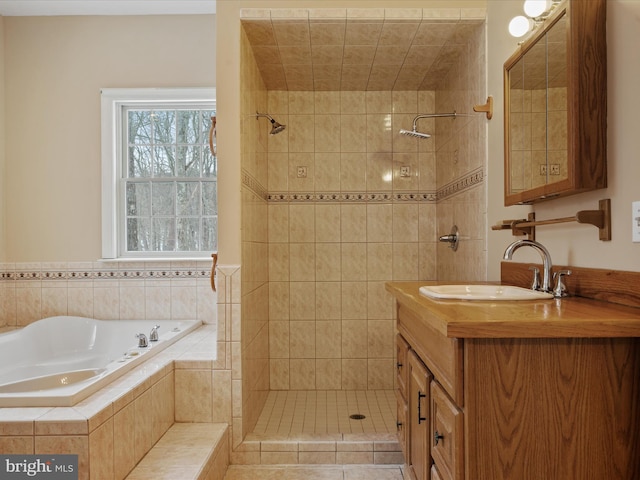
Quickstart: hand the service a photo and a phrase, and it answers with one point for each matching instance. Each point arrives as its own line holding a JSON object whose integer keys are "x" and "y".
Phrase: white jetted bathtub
{"x": 59, "y": 361}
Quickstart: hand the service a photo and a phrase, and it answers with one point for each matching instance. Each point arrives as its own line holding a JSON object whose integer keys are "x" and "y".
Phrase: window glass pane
{"x": 169, "y": 175}
{"x": 138, "y": 234}
{"x": 188, "y": 201}
{"x": 209, "y": 233}
{"x": 188, "y": 234}
{"x": 164, "y": 161}
{"x": 138, "y": 199}
{"x": 209, "y": 204}
{"x": 188, "y": 126}
{"x": 164, "y": 126}
{"x": 163, "y": 198}
{"x": 164, "y": 235}
{"x": 139, "y": 161}
{"x": 139, "y": 127}
{"x": 188, "y": 161}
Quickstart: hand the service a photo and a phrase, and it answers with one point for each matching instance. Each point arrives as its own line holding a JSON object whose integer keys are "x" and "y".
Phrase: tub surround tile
{"x": 16, "y": 445}
{"x": 112, "y": 429}
{"x": 124, "y": 458}
{"x": 67, "y": 444}
{"x": 62, "y": 421}
{"x": 101, "y": 451}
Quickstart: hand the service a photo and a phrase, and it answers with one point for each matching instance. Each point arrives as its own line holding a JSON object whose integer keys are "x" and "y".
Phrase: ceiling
{"x": 363, "y": 54}
{"x": 13, "y": 8}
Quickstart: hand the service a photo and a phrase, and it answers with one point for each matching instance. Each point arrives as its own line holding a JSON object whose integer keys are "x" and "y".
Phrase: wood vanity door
{"x": 419, "y": 423}
{"x": 447, "y": 429}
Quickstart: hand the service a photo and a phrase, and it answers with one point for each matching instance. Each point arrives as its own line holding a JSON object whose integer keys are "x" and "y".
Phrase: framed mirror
{"x": 555, "y": 106}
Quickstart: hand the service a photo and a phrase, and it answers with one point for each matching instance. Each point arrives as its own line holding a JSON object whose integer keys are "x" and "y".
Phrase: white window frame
{"x": 113, "y": 100}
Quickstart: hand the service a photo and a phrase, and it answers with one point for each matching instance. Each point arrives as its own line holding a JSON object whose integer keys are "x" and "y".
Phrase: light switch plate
{"x": 635, "y": 221}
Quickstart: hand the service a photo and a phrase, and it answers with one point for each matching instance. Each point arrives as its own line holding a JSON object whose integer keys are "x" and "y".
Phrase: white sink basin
{"x": 482, "y": 292}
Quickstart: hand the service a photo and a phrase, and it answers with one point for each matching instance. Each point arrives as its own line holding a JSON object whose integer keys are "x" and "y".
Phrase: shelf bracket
{"x": 486, "y": 108}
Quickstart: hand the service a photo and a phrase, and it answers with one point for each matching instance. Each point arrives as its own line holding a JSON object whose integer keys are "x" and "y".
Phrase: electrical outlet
{"x": 302, "y": 172}
{"x": 635, "y": 221}
{"x": 543, "y": 169}
{"x": 554, "y": 169}
{"x": 405, "y": 171}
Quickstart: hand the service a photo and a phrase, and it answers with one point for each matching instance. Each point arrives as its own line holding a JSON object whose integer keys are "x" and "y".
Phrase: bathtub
{"x": 59, "y": 361}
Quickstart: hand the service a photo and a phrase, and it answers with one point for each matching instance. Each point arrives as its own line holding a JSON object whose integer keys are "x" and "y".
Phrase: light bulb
{"x": 536, "y": 8}
{"x": 519, "y": 25}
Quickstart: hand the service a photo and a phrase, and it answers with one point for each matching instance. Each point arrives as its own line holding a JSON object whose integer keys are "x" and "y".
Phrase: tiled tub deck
{"x": 112, "y": 430}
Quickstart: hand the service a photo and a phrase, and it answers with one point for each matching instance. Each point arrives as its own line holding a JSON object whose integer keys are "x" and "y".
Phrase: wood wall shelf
{"x": 600, "y": 218}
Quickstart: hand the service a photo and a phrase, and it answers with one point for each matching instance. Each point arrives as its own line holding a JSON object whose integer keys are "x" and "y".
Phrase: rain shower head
{"x": 275, "y": 126}
{"x": 413, "y": 133}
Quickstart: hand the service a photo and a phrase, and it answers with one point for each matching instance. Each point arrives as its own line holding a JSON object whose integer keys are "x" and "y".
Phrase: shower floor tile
{"x": 294, "y": 412}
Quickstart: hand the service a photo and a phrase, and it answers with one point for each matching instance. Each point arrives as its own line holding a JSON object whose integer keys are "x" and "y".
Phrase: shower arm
{"x": 432, "y": 115}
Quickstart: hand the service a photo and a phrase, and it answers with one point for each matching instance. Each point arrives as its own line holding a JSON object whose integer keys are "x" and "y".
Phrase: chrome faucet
{"x": 546, "y": 260}
{"x": 142, "y": 340}
{"x": 153, "y": 336}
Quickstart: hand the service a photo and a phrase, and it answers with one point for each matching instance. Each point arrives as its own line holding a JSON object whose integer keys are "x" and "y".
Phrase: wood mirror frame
{"x": 538, "y": 140}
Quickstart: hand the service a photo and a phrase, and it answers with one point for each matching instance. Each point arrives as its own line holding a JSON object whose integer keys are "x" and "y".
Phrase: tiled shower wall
{"x": 108, "y": 291}
{"x": 354, "y": 204}
{"x": 461, "y": 165}
{"x": 251, "y": 381}
{"x": 343, "y": 219}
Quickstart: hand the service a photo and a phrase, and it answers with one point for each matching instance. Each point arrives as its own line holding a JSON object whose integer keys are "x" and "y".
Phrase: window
{"x": 159, "y": 176}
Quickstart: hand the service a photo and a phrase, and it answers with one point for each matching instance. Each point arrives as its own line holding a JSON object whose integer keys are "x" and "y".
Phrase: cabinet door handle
{"x": 398, "y": 426}
{"x": 398, "y": 365}
{"x": 437, "y": 437}
{"x": 420, "y": 417}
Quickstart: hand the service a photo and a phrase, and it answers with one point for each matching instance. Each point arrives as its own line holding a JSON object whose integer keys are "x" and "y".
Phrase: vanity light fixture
{"x": 536, "y": 11}
{"x": 520, "y": 26}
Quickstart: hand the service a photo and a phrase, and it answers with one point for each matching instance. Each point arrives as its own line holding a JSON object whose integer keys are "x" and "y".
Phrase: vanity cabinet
{"x": 502, "y": 391}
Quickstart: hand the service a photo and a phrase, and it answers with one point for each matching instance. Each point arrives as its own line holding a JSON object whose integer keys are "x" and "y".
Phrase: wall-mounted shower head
{"x": 414, "y": 133}
{"x": 275, "y": 126}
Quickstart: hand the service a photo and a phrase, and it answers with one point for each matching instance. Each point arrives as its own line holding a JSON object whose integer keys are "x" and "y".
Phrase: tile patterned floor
{"x": 338, "y": 472}
{"x": 294, "y": 412}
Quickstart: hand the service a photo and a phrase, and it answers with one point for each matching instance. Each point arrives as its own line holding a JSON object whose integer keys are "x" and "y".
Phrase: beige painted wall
{"x": 573, "y": 244}
{"x": 55, "y": 68}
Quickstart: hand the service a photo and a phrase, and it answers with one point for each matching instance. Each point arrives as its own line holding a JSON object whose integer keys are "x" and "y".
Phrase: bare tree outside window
{"x": 170, "y": 180}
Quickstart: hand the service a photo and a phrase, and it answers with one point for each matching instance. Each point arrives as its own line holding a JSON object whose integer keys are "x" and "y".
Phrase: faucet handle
{"x": 153, "y": 336}
{"x": 142, "y": 340}
{"x": 535, "y": 283}
{"x": 560, "y": 289}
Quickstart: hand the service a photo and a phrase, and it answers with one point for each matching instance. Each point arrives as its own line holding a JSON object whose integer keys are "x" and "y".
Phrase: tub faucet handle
{"x": 153, "y": 336}
{"x": 142, "y": 340}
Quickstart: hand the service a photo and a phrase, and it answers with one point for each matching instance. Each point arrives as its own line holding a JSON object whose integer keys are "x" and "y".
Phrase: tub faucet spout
{"x": 142, "y": 340}
{"x": 544, "y": 253}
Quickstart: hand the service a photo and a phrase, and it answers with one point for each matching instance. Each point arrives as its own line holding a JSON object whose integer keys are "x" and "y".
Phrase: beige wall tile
{"x": 124, "y": 458}
{"x": 193, "y": 395}
{"x": 66, "y": 444}
{"x": 101, "y": 451}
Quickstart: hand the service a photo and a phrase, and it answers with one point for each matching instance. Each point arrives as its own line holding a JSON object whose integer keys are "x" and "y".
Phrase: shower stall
{"x": 344, "y": 200}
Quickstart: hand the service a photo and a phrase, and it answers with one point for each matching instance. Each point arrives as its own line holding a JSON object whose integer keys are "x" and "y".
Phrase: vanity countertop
{"x": 569, "y": 317}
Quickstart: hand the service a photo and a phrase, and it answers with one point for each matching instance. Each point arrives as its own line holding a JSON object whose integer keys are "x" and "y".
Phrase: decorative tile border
{"x": 45, "y": 274}
{"x": 254, "y": 185}
{"x": 459, "y": 185}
